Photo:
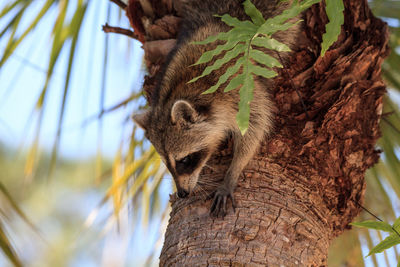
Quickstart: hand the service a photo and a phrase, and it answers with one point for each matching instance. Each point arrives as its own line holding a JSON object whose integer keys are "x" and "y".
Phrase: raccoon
{"x": 184, "y": 125}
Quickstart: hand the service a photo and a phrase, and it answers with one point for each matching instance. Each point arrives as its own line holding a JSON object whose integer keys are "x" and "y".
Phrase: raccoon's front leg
{"x": 244, "y": 149}
{"x": 260, "y": 124}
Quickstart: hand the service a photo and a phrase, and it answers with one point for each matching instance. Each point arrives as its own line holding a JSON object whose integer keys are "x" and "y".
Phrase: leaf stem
{"x": 107, "y": 28}
{"x": 376, "y": 217}
{"x": 119, "y": 3}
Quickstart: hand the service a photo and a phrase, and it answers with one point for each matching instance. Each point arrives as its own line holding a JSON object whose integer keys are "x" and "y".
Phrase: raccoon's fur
{"x": 186, "y": 126}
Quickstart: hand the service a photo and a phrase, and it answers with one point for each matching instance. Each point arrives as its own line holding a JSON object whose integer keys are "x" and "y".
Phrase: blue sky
{"x": 22, "y": 79}
{"x": 23, "y": 76}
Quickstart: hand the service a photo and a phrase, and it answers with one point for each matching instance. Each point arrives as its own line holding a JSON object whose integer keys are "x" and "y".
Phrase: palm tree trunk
{"x": 303, "y": 188}
{"x": 280, "y": 220}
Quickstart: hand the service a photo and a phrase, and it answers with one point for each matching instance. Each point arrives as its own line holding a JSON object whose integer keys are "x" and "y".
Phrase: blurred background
{"x": 79, "y": 184}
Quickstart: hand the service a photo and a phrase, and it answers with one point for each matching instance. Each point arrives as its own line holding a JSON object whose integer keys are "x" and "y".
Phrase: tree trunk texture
{"x": 302, "y": 188}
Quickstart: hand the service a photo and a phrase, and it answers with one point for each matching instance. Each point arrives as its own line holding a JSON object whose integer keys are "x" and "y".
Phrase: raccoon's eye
{"x": 189, "y": 163}
{"x": 186, "y": 160}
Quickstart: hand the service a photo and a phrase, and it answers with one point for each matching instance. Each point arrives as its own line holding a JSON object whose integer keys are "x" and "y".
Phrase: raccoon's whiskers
{"x": 210, "y": 185}
{"x": 202, "y": 193}
{"x": 205, "y": 195}
{"x": 208, "y": 166}
{"x": 208, "y": 182}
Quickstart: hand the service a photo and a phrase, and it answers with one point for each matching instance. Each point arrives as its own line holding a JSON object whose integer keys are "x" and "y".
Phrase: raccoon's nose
{"x": 182, "y": 193}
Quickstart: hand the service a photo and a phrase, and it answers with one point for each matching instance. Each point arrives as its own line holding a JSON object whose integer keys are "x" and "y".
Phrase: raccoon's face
{"x": 184, "y": 139}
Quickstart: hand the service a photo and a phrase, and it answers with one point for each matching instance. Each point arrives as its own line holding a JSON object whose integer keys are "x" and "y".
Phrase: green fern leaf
{"x": 234, "y": 22}
{"x": 265, "y": 59}
{"x": 270, "y": 43}
{"x": 224, "y": 77}
{"x": 334, "y": 10}
{"x": 275, "y": 23}
{"x": 213, "y": 38}
{"x": 237, "y": 33}
{"x": 249, "y": 32}
{"x": 238, "y": 49}
{"x": 209, "y": 55}
{"x": 246, "y": 95}
{"x": 235, "y": 82}
{"x": 253, "y": 13}
{"x": 264, "y": 72}
{"x": 269, "y": 29}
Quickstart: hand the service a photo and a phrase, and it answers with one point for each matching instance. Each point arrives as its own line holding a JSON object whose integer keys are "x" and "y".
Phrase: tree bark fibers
{"x": 278, "y": 222}
{"x": 301, "y": 190}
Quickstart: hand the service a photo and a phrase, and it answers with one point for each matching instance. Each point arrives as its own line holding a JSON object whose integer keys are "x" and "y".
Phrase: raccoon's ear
{"x": 182, "y": 111}
{"x": 142, "y": 119}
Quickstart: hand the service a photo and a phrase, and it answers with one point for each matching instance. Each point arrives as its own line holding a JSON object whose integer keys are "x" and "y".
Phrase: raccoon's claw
{"x": 218, "y": 207}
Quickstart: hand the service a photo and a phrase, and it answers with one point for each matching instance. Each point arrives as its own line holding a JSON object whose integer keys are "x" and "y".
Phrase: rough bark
{"x": 302, "y": 188}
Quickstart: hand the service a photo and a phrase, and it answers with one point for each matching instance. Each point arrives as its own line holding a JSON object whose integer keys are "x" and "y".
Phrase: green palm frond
{"x": 5, "y": 242}
{"x": 73, "y": 29}
{"x": 7, "y": 248}
{"x": 386, "y": 8}
{"x": 62, "y": 33}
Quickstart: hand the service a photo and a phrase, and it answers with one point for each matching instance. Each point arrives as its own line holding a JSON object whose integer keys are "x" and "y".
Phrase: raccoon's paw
{"x": 219, "y": 204}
